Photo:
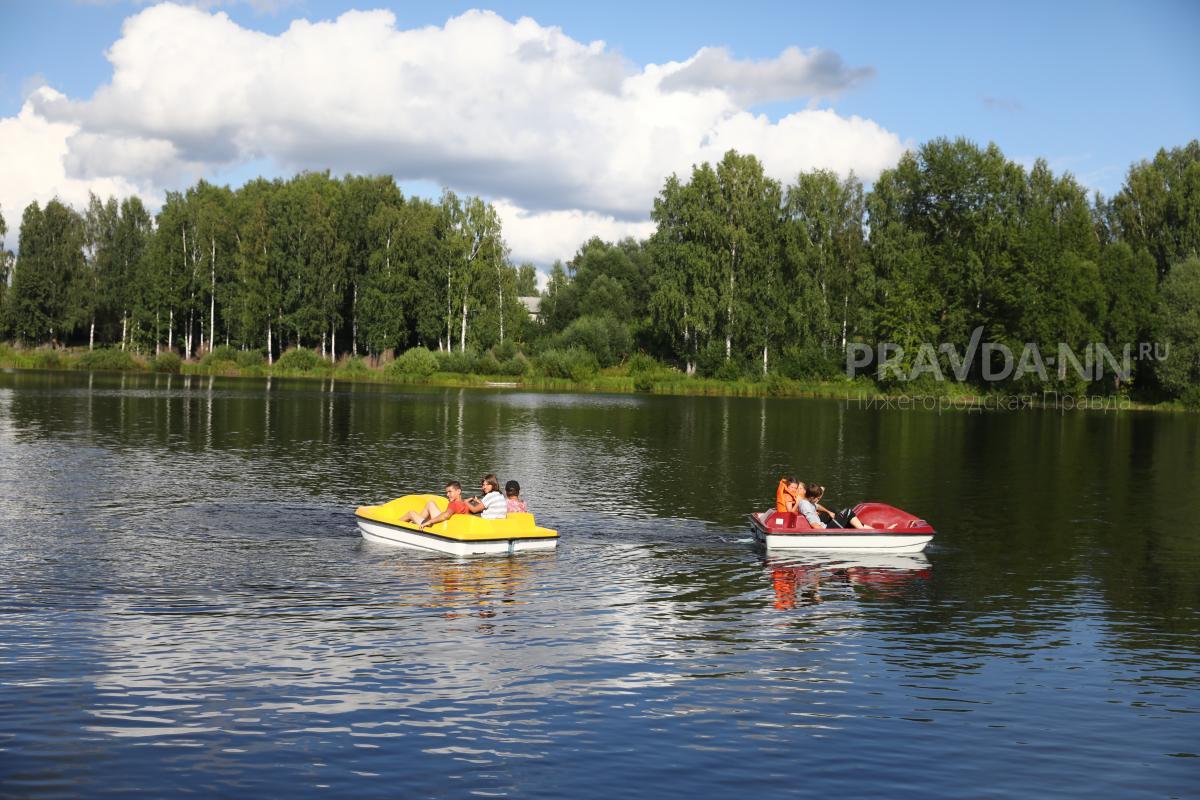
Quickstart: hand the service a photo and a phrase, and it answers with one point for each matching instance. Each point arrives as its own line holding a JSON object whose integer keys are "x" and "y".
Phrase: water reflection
{"x": 181, "y": 569}
{"x": 476, "y": 587}
{"x": 808, "y": 579}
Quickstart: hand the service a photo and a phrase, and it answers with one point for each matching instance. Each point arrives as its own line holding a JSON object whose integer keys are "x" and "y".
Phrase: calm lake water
{"x": 188, "y": 607}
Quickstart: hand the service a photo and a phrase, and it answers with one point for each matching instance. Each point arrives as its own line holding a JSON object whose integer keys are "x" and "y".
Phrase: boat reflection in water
{"x": 812, "y": 578}
{"x": 472, "y": 587}
{"x": 477, "y": 587}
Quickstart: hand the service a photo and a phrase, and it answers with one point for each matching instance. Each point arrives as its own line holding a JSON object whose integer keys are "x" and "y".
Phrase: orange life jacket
{"x": 784, "y": 497}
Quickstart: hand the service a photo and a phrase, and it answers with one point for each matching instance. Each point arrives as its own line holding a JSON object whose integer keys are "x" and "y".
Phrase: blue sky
{"x": 1090, "y": 86}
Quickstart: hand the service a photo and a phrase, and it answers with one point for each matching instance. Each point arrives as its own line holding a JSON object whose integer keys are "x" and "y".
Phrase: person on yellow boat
{"x": 492, "y": 505}
{"x": 512, "y": 491}
{"x": 432, "y": 514}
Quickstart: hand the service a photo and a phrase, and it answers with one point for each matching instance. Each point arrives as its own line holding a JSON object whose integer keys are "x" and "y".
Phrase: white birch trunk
{"x": 500, "y": 287}
{"x": 92, "y": 336}
{"x": 845, "y": 320}
{"x": 729, "y": 303}
{"x": 688, "y": 365}
{"x": 183, "y": 236}
{"x": 270, "y": 351}
{"x": 212, "y": 301}
{"x": 462, "y": 340}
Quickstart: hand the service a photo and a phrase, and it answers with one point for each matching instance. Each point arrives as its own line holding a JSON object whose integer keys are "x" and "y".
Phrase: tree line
{"x": 742, "y": 276}
{"x": 346, "y": 265}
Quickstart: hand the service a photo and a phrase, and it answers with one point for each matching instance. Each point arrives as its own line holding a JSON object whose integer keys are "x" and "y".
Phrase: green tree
{"x": 560, "y": 304}
{"x": 310, "y": 258}
{"x": 361, "y": 198}
{"x": 173, "y": 252}
{"x": 389, "y": 287}
{"x": 1130, "y": 283}
{"x": 1063, "y": 301}
{"x": 831, "y": 277}
{"x": 1158, "y": 208}
{"x": 684, "y": 301}
{"x": 213, "y": 268}
{"x": 258, "y": 306}
{"x": 425, "y": 245}
{"x": 527, "y": 281}
{"x": 475, "y": 257}
{"x": 129, "y": 289}
{"x": 51, "y": 261}
{"x": 1179, "y": 327}
{"x": 716, "y": 259}
{"x": 95, "y": 284}
{"x": 907, "y": 301}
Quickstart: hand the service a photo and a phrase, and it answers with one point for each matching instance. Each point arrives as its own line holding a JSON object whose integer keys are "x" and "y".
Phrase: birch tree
{"x": 129, "y": 283}
{"x": 98, "y": 287}
{"x": 6, "y": 260}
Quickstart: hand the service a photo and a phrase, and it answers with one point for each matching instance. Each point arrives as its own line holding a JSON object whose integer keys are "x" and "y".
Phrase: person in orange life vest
{"x": 432, "y": 514}
{"x": 787, "y": 494}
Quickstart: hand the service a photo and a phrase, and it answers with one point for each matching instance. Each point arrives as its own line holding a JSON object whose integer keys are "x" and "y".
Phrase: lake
{"x": 188, "y": 607}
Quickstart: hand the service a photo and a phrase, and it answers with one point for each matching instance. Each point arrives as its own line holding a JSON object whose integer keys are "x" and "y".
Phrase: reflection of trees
{"x": 1035, "y": 508}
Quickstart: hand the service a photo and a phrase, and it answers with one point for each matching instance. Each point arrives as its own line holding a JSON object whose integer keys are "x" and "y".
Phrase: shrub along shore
{"x": 570, "y": 370}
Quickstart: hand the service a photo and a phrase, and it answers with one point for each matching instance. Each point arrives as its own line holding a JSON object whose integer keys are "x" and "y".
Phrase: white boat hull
{"x": 388, "y": 534}
{"x": 841, "y": 542}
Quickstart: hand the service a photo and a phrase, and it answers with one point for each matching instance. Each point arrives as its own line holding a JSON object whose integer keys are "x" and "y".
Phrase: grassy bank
{"x": 621, "y": 379}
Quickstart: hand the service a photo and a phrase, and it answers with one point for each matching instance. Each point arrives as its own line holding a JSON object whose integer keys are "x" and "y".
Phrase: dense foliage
{"x": 742, "y": 277}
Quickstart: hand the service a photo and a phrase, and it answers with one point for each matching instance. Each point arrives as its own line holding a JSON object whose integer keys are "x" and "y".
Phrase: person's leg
{"x": 413, "y": 517}
{"x": 846, "y": 519}
{"x": 431, "y": 510}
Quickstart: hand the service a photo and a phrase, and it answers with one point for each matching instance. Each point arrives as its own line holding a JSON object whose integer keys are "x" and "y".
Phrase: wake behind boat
{"x": 460, "y": 535}
{"x": 888, "y": 529}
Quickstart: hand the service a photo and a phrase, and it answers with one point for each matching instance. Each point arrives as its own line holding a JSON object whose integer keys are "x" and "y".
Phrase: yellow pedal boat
{"x": 461, "y": 535}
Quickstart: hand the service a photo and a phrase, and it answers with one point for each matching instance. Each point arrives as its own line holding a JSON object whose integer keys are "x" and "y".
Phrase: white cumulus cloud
{"x": 568, "y": 137}
{"x": 542, "y": 237}
{"x": 33, "y": 156}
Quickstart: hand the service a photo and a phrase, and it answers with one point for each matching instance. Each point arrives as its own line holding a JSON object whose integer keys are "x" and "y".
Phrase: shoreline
{"x": 613, "y": 381}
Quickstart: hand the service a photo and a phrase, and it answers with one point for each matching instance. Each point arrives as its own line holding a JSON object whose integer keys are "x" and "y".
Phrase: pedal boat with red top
{"x": 889, "y": 530}
{"x": 461, "y": 535}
